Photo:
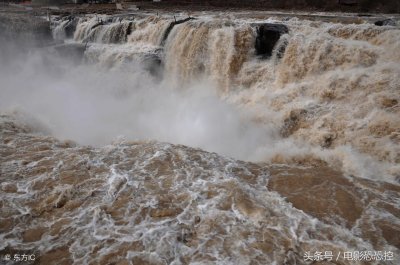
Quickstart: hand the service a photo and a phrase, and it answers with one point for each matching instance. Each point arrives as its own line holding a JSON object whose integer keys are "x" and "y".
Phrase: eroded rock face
{"x": 267, "y": 37}
{"x": 147, "y": 202}
{"x": 71, "y": 26}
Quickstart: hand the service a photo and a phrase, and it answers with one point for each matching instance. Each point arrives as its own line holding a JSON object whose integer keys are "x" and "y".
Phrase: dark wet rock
{"x": 71, "y": 26}
{"x": 171, "y": 26}
{"x": 385, "y": 22}
{"x": 267, "y": 37}
{"x": 128, "y": 31}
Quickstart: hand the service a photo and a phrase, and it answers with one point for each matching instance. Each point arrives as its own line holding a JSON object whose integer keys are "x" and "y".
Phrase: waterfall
{"x": 357, "y": 63}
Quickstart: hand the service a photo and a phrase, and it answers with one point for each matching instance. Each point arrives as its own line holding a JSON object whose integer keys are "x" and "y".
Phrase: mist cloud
{"x": 95, "y": 106}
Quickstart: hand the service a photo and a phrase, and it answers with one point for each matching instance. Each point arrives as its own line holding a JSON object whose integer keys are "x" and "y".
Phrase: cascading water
{"x": 84, "y": 181}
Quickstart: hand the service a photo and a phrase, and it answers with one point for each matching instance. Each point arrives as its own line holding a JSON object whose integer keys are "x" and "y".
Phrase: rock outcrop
{"x": 385, "y": 22}
{"x": 267, "y": 37}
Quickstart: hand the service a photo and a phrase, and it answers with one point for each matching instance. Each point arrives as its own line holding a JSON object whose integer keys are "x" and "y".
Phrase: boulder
{"x": 268, "y": 35}
{"x": 385, "y": 22}
{"x": 71, "y": 27}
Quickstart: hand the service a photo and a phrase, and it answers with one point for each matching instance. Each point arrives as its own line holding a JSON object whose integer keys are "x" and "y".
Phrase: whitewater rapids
{"x": 179, "y": 145}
